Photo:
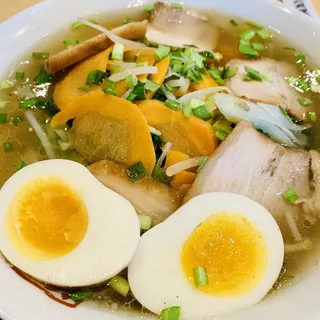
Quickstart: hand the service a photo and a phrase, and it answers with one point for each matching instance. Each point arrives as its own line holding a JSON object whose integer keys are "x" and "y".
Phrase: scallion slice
{"x": 151, "y": 86}
{"x": 202, "y": 112}
{"x": 112, "y": 92}
{"x": 131, "y": 97}
{"x": 16, "y": 120}
{"x": 187, "y": 110}
{"x": 136, "y": 171}
{"x": 28, "y": 103}
{"x": 300, "y": 58}
{"x": 172, "y": 313}
{"x": 200, "y": 276}
{"x": 40, "y": 55}
{"x": 42, "y": 77}
{"x": 81, "y": 295}
{"x": 264, "y": 34}
{"x": 159, "y": 174}
{"x": 234, "y": 22}
{"x": 7, "y": 146}
{"x": 116, "y": 69}
{"x": 3, "y": 118}
{"x": 312, "y": 116}
{"x": 109, "y": 84}
{"x": 305, "y": 101}
{"x": 127, "y": 20}
{"x": 21, "y": 165}
{"x": 20, "y": 75}
{"x": 131, "y": 81}
{"x": 202, "y": 164}
{"x": 95, "y": 77}
{"x": 247, "y": 34}
{"x": 252, "y": 75}
{"x": 267, "y": 77}
{"x": 232, "y": 72}
{"x": 145, "y": 221}
{"x": 248, "y": 50}
{"x": 162, "y": 52}
{"x": 117, "y": 52}
{"x": 290, "y": 196}
{"x": 221, "y": 135}
{"x": 150, "y": 7}
{"x": 120, "y": 285}
{"x": 258, "y": 46}
{"x": 253, "y": 24}
{"x": 173, "y": 104}
{"x": 5, "y": 84}
{"x": 86, "y": 87}
{"x": 70, "y": 43}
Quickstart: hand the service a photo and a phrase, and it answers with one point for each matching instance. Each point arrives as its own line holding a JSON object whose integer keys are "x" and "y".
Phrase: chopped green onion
{"x": 234, "y": 22}
{"x": 136, "y": 171}
{"x": 112, "y": 92}
{"x": 207, "y": 54}
{"x": 300, "y": 58}
{"x": 142, "y": 64}
{"x": 290, "y": 195}
{"x": 3, "y": 103}
{"x": 248, "y": 50}
{"x": 194, "y": 75}
{"x": 7, "y": 146}
{"x": 173, "y": 104}
{"x": 28, "y": 103}
{"x": 264, "y": 34}
{"x": 177, "y": 66}
{"x": 289, "y": 48}
{"x": 232, "y": 72}
{"x": 70, "y": 43}
{"x": 253, "y": 24}
{"x": 221, "y": 135}
{"x": 145, "y": 221}
{"x": 40, "y": 55}
{"x": 162, "y": 52}
{"x": 5, "y": 84}
{"x": 150, "y": 7}
{"x": 202, "y": 112}
{"x": 298, "y": 83}
{"x": 116, "y": 69}
{"x": 16, "y": 120}
{"x": 305, "y": 101}
{"x": 95, "y": 77}
{"x": 81, "y": 295}
{"x": 76, "y": 25}
{"x": 159, "y": 174}
{"x": 258, "y": 46}
{"x": 216, "y": 56}
{"x": 3, "y": 118}
{"x": 42, "y": 77}
{"x": 127, "y": 20}
{"x": 267, "y": 77}
{"x": 109, "y": 84}
{"x": 151, "y": 86}
{"x": 247, "y": 34}
{"x": 187, "y": 110}
{"x": 202, "y": 164}
{"x": 168, "y": 87}
{"x": 86, "y": 87}
{"x": 20, "y": 75}
{"x": 120, "y": 285}
{"x": 285, "y": 113}
{"x": 313, "y": 116}
{"x": 176, "y": 5}
{"x": 216, "y": 75}
{"x": 139, "y": 91}
{"x": 172, "y": 313}
{"x": 117, "y": 52}
{"x": 131, "y": 97}
{"x": 131, "y": 81}
{"x": 200, "y": 276}
{"x": 222, "y": 126}
{"x": 21, "y": 165}
{"x": 252, "y": 75}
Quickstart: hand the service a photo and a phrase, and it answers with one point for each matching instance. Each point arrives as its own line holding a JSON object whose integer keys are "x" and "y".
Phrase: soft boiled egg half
{"x": 61, "y": 226}
{"x": 219, "y": 253}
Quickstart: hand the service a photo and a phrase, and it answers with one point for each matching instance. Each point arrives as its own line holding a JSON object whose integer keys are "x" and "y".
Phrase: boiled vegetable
{"x": 206, "y": 82}
{"x": 192, "y": 136}
{"x": 181, "y": 178}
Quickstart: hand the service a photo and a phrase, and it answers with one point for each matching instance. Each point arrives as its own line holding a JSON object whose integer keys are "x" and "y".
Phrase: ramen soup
{"x": 163, "y": 161}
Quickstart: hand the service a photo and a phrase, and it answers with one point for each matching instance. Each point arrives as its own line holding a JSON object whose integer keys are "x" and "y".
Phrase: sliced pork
{"x": 147, "y": 195}
{"x": 179, "y": 27}
{"x": 251, "y": 164}
{"x": 277, "y": 91}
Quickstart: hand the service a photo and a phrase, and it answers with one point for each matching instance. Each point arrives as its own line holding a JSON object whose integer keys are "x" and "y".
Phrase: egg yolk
{"x": 46, "y": 219}
{"x": 232, "y": 250}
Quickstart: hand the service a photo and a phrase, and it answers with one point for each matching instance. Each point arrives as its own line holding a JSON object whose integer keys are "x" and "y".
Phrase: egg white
{"x": 111, "y": 239}
{"x": 155, "y": 273}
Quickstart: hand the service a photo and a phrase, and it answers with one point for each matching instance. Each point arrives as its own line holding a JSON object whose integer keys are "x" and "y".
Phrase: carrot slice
{"x": 191, "y": 136}
{"x": 181, "y": 178}
{"x": 158, "y": 77}
{"x": 68, "y": 89}
{"x": 174, "y": 157}
{"x": 108, "y": 128}
{"x": 206, "y": 82}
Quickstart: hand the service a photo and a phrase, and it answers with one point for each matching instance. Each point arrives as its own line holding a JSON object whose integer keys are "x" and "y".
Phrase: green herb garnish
{"x": 305, "y": 101}
{"x": 40, "y": 55}
{"x": 247, "y": 34}
{"x": 312, "y": 116}
{"x": 3, "y": 118}
{"x": 16, "y": 120}
{"x": 117, "y": 52}
{"x": 81, "y": 295}
{"x": 145, "y": 221}
{"x": 136, "y": 171}
{"x": 253, "y": 24}
{"x": 258, "y": 46}
{"x": 120, "y": 285}
{"x": 42, "y": 77}
{"x": 19, "y": 76}
{"x": 21, "y": 165}
{"x": 96, "y": 77}
{"x": 234, "y": 22}
{"x": 200, "y": 275}
{"x": 173, "y": 104}
{"x": 85, "y": 87}
{"x": 290, "y": 196}
{"x": 300, "y": 58}
{"x": 7, "y": 146}
{"x": 202, "y": 164}
{"x": 127, "y": 20}
{"x": 252, "y": 75}
{"x": 172, "y": 313}
{"x": 70, "y": 43}
{"x": 162, "y": 52}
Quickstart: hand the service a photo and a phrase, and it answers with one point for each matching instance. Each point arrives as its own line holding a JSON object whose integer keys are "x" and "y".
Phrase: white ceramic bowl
{"x": 21, "y": 301}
